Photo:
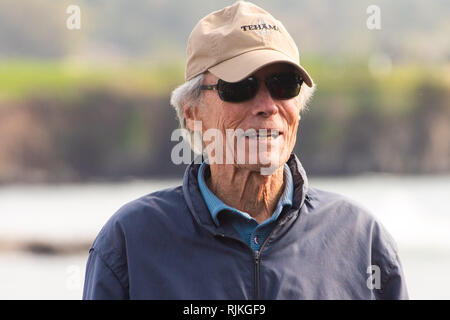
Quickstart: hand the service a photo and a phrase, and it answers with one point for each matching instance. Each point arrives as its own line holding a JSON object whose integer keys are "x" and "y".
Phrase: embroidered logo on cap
{"x": 260, "y": 27}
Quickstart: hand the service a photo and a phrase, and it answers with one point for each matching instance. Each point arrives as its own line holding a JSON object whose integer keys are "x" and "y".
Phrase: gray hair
{"x": 190, "y": 94}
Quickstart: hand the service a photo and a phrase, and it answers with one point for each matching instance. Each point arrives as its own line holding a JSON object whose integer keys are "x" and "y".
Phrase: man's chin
{"x": 266, "y": 165}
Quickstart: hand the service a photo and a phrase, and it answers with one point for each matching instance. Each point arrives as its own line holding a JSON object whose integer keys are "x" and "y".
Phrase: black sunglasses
{"x": 282, "y": 86}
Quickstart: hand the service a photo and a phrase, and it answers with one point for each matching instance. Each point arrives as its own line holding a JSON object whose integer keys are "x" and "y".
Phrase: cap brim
{"x": 243, "y": 65}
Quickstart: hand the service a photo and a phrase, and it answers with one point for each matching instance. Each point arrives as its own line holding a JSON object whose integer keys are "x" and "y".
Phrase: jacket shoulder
{"x": 335, "y": 203}
{"x": 358, "y": 230}
{"x": 351, "y": 216}
{"x": 140, "y": 217}
{"x": 156, "y": 204}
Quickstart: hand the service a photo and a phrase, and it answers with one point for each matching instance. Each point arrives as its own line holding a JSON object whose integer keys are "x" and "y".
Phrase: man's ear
{"x": 189, "y": 116}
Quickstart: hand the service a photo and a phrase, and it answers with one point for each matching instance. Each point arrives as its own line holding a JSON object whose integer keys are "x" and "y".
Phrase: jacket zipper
{"x": 257, "y": 256}
{"x": 257, "y": 260}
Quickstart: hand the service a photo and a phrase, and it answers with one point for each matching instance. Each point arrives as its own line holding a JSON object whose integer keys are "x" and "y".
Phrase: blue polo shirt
{"x": 248, "y": 228}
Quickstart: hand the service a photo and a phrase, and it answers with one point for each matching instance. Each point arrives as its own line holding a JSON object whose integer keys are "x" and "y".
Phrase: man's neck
{"x": 247, "y": 190}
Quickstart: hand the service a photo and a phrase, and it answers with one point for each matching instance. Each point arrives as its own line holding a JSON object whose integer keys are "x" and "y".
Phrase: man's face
{"x": 261, "y": 112}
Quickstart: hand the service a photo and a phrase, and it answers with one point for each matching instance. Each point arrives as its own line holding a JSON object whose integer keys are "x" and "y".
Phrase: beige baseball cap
{"x": 234, "y": 42}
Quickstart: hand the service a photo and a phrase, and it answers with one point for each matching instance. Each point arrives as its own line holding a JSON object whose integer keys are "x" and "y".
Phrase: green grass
{"x": 21, "y": 79}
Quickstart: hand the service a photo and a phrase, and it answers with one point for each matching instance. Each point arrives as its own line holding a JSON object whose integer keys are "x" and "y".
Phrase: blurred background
{"x": 85, "y": 124}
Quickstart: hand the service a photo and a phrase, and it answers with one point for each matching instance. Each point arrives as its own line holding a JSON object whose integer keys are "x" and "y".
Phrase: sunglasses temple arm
{"x": 209, "y": 87}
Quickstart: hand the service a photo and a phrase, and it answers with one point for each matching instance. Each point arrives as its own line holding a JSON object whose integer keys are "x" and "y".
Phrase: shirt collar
{"x": 215, "y": 205}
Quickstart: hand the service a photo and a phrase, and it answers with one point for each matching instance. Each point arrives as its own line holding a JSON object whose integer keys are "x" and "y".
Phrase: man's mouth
{"x": 263, "y": 134}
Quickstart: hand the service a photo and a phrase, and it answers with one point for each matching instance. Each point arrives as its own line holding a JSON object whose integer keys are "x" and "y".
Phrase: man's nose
{"x": 263, "y": 103}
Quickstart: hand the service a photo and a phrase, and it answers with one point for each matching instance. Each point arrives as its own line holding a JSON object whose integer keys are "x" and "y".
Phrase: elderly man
{"x": 233, "y": 231}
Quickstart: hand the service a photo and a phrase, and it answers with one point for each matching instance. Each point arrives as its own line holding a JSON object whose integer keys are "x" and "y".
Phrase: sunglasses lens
{"x": 285, "y": 85}
{"x": 237, "y": 91}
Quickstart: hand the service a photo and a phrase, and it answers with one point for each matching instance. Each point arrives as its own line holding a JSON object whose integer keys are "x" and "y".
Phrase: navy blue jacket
{"x": 165, "y": 245}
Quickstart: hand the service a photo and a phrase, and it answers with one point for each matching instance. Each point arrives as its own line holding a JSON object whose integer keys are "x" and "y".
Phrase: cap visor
{"x": 241, "y": 66}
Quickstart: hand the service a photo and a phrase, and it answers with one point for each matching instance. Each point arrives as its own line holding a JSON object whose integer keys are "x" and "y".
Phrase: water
{"x": 415, "y": 210}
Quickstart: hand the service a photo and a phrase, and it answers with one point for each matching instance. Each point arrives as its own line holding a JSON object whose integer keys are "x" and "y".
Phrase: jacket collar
{"x": 199, "y": 209}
